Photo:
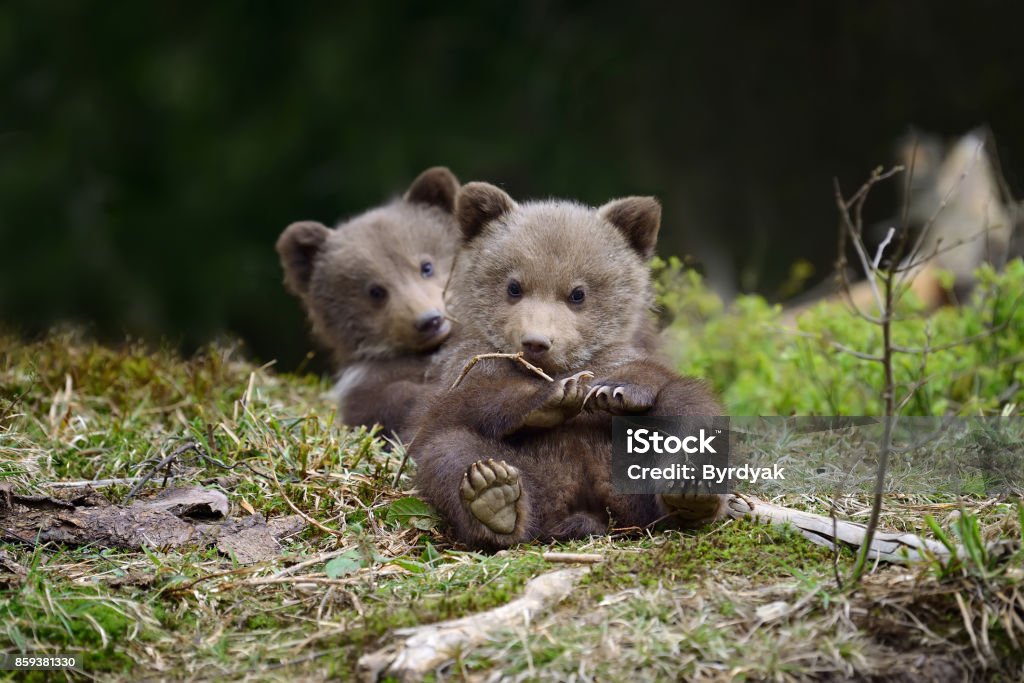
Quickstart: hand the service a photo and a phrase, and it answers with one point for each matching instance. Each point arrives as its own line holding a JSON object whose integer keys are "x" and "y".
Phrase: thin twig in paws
{"x": 517, "y": 357}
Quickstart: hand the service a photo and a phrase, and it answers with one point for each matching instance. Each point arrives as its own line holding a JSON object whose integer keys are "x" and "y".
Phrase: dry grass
{"x": 735, "y": 601}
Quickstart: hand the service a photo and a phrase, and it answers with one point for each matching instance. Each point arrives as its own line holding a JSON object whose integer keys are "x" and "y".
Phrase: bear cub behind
{"x": 373, "y": 290}
{"x": 507, "y": 456}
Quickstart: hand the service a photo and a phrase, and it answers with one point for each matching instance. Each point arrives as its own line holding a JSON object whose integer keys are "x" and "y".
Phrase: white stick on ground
{"x": 821, "y": 529}
{"x": 419, "y": 650}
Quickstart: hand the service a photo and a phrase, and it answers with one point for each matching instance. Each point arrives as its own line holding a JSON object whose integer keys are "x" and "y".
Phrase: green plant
{"x": 762, "y": 367}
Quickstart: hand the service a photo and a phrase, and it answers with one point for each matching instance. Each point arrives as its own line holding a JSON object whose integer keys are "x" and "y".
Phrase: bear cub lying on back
{"x": 507, "y": 456}
{"x": 373, "y": 290}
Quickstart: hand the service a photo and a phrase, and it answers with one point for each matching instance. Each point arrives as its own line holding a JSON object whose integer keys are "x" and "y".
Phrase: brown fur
{"x": 364, "y": 288}
{"x": 524, "y": 423}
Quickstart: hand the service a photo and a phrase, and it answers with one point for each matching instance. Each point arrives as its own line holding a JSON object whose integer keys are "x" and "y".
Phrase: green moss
{"x": 68, "y": 619}
{"x": 261, "y": 622}
{"x": 741, "y": 548}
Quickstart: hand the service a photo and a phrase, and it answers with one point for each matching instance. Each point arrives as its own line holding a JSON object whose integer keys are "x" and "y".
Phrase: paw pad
{"x": 491, "y": 490}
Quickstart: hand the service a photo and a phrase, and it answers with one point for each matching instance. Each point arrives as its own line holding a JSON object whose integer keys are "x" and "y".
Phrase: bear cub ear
{"x": 477, "y": 205}
{"x": 638, "y": 218}
{"x": 436, "y": 186}
{"x": 297, "y": 247}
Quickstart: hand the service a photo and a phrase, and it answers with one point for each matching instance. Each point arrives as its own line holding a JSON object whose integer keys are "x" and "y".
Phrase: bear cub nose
{"x": 429, "y": 321}
{"x": 535, "y": 344}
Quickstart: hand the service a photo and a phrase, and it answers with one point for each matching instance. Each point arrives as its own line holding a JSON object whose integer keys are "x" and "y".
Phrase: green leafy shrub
{"x": 761, "y": 366}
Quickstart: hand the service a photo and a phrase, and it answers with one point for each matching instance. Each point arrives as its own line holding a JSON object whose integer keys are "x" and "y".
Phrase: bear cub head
{"x": 560, "y": 282}
{"x": 373, "y": 286}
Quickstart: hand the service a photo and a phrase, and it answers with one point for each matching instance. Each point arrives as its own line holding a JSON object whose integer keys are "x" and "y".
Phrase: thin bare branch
{"x": 858, "y": 354}
{"x": 966, "y": 340}
{"x": 516, "y": 357}
{"x": 881, "y": 248}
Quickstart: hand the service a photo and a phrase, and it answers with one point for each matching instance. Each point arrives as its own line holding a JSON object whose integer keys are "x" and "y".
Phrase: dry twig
{"x": 569, "y": 558}
{"x": 300, "y": 513}
{"x": 516, "y": 357}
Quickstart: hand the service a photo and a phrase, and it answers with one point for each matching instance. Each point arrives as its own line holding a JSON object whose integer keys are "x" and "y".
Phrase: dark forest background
{"x": 150, "y": 153}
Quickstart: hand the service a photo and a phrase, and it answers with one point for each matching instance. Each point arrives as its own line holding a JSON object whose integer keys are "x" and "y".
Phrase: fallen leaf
{"x": 346, "y": 563}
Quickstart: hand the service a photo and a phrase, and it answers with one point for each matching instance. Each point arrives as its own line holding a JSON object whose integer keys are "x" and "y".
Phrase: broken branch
{"x": 569, "y": 558}
{"x": 516, "y": 357}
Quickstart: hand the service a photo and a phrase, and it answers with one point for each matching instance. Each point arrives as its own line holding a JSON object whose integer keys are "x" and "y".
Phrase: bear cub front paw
{"x": 491, "y": 490}
{"x": 565, "y": 401}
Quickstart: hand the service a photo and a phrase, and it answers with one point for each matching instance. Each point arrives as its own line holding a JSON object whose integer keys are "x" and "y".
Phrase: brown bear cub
{"x": 507, "y": 456}
{"x": 373, "y": 289}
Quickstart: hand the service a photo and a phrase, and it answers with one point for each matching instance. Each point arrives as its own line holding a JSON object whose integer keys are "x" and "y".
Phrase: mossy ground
{"x": 734, "y": 601}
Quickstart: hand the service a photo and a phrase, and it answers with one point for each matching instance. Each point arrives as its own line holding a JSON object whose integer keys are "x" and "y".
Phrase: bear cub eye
{"x": 427, "y": 269}
{"x": 577, "y": 296}
{"x": 515, "y": 290}
{"x": 377, "y": 293}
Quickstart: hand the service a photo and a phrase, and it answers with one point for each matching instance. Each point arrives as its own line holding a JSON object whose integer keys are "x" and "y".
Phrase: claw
{"x": 579, "y": 376}
{"x": 619, "y": 392}
{"x": 593, "y": 390}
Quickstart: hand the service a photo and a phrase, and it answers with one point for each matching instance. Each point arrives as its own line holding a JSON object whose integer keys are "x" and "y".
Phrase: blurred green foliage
{"x": 150, "y": 153}
{"x": 975, "y": 363}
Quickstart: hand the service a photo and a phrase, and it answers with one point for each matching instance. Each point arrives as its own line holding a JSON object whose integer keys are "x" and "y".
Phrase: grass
{"x": 735, "y": 601}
